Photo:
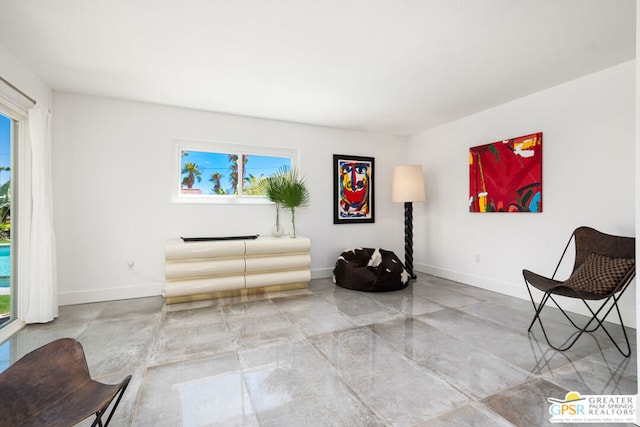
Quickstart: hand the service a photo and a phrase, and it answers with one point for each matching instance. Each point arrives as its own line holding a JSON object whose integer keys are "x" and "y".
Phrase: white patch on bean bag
{"x": 376, "y": 258}
{"x": 404, "y": 277}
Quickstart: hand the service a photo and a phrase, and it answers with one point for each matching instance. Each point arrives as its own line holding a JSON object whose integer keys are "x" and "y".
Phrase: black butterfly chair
{"x": 604, "y": 267}
{"x": 51, "y": 386}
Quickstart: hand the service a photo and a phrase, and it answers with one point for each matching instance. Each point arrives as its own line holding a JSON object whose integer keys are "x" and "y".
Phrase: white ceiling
{"x": 388, "y": 66}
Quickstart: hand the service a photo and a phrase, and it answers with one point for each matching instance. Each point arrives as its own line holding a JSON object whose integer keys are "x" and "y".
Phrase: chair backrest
{"x": 589, "y": 240}
{"x": 40, "y": 378}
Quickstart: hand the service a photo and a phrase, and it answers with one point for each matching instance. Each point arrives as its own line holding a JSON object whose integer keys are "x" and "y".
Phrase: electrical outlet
{"x": 477, "y": 257}
{"x": 131, "y": 265}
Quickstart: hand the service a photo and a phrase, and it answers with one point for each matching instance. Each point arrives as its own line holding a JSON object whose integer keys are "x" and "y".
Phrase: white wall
{"x": 112, "y": 177}
{"x": 13, "y": 70}
{"x": 637, "y": 158}
{"x": 588, "y": 130}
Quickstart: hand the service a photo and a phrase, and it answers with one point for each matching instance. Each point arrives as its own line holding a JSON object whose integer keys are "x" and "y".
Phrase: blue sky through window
{"x": 5, "y": 147}
{"x": 209, "y": 163}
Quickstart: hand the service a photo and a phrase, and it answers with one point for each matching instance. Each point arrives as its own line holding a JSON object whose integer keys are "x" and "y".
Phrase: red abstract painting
{"x": 506, "y": 176}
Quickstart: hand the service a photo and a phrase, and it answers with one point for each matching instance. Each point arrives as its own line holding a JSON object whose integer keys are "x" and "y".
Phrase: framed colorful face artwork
{"x": 506, "y": 176}
{"x": 353, "y": 194}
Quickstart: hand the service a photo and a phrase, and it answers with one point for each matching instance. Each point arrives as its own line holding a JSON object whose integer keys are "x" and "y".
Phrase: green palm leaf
{"x": 287, "y": 188}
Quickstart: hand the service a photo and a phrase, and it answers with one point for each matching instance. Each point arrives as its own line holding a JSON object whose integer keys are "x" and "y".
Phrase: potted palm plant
{"x": 273, "y": 190}
{"x": 287, "y": 188}
{"x": 294, "y": 194}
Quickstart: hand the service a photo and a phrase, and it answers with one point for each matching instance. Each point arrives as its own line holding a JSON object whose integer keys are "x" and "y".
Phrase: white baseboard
{"x": 140, "y": 291}
{"x": 477, "y": 281}
{"x": 110, "y": 294}
{"x": 321, "y": 273}
{"x": 519, "y": 290}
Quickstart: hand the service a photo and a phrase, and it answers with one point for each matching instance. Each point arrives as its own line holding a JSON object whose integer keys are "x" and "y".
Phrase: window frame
{"x": 180, "y": 145}
{"x": 20, "y": 205}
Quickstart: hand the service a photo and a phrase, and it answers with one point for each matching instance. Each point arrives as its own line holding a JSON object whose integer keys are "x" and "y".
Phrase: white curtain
{"x": 38, "y": 285}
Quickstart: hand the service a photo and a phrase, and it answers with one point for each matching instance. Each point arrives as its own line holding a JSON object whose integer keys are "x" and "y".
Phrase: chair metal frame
{"x": 587, "y": 241}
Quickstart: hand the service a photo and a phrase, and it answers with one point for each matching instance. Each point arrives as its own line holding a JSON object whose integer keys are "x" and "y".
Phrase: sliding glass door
{"x": 8, "y": 136}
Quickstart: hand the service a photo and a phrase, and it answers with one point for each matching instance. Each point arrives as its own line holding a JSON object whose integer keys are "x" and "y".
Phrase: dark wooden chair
{"x": 604, "y": 267}
{"x": 51, "y": 386}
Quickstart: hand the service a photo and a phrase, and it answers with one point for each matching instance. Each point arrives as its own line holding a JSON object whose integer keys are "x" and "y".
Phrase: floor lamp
{"x": 408, "y": 187}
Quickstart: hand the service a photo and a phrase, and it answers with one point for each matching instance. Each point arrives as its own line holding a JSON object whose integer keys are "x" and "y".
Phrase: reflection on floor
{"x": 436, "y": 353}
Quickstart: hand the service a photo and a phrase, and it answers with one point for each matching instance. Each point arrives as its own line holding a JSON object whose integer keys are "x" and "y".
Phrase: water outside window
{"x": 6, "y": 134}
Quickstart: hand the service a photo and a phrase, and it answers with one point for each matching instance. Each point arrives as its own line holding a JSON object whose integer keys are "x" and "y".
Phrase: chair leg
{"x": 98, "y": 421}
{"x": 600, "y": 322}
{"x": 546, "y": 297}
{"x": 581, "y": 330}
{"x": 537, "y": 309}
{"x": 566, "y": 315}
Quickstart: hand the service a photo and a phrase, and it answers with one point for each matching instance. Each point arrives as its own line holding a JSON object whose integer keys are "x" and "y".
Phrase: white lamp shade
{"x": 408, "y": 184}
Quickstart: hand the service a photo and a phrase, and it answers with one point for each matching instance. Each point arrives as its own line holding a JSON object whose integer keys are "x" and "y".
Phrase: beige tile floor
{"x": 438, "y": 353}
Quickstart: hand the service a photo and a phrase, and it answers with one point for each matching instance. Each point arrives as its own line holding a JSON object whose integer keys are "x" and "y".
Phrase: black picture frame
{"x": 345, "y": 212}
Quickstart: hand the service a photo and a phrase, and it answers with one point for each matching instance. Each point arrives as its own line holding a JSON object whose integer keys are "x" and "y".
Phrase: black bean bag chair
{"x": 370, "y": 270}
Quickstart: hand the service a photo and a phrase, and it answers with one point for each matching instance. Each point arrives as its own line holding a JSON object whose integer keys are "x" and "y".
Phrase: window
{"x": 14, "y": 210}
{"x": 8, "y": 139}
{"x": 210, "y": 172}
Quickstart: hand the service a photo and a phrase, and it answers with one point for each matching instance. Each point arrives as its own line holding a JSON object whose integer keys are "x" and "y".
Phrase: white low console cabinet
{"x": 219, "y": 268}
